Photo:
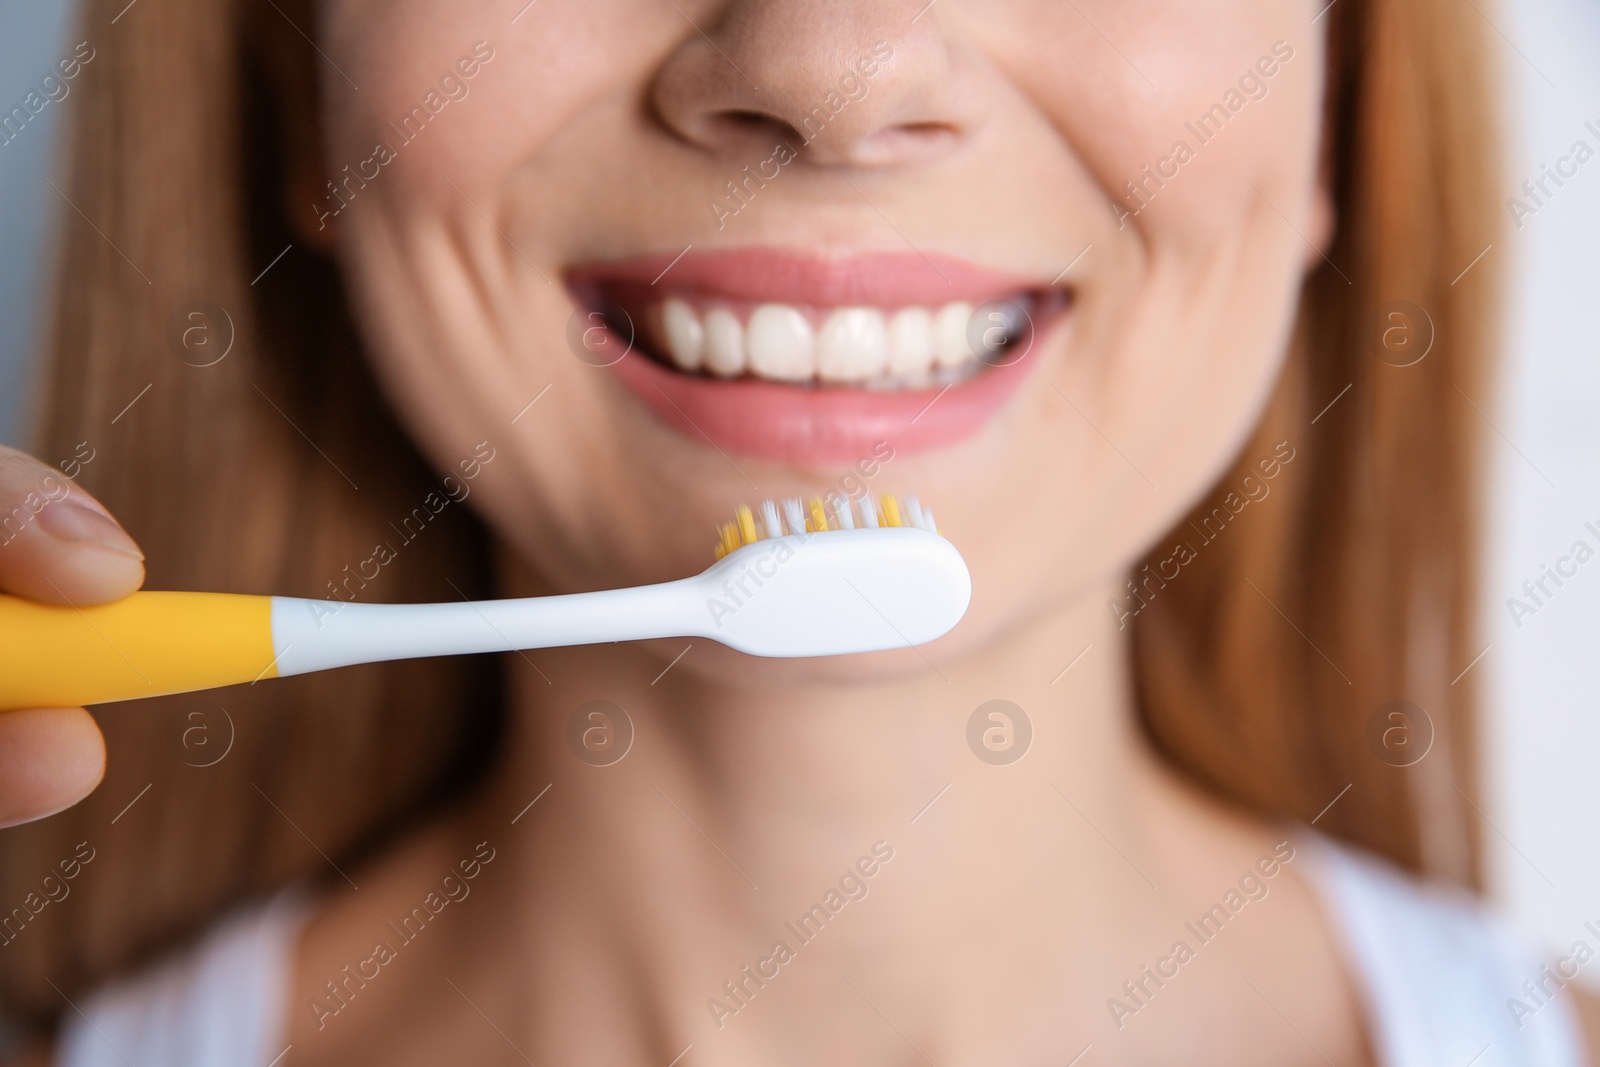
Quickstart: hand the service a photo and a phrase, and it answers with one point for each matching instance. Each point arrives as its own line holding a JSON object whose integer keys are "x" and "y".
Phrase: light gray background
{"x": 32, "y": 36}
{"x": 1542, "y": 745}
{"x": 1542, "y": 739}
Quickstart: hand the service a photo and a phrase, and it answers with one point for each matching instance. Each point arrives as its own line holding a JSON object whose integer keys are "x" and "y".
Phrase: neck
{"x": 739, "y": 808}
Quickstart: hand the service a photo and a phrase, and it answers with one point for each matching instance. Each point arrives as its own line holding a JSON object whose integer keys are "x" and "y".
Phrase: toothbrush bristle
{"x": 819, "y": 517}
{"x": 730, "y": 539}
{"x": 747, "y": 525}
{"x": 891, "y": 510}
{"x": 794, "y": 515}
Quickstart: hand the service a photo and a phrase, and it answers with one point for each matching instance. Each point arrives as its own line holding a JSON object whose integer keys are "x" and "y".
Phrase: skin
{"x": 1025, "y": 895}
{"x": 67, "y": 549}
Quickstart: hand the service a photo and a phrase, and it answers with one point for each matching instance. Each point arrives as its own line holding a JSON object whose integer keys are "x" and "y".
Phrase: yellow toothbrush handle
{"x": 144, "y": 645}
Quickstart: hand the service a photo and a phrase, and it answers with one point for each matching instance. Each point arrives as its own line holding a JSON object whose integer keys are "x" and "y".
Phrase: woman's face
{"x": 845, "y": 217}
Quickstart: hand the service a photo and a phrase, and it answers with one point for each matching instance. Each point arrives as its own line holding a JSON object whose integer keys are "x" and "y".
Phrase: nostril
{"x": 745, "y": 117}
{"x": 739, "y": 126}
{"x": 908, "y": 142}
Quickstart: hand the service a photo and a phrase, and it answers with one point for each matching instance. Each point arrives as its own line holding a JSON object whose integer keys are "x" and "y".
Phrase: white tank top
{"x": 1436, "y": 975}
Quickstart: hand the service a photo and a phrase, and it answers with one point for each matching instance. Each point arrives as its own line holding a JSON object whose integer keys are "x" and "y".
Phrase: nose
{"x": 844, "y": 83}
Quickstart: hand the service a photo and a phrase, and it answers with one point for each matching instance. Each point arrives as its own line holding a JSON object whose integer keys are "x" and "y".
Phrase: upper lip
{"x": 761, "y": 275}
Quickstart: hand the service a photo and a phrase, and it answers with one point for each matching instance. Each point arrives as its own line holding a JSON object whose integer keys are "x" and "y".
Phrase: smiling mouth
{"x": 902, "y": 348}
{"x": 801, "y": 359}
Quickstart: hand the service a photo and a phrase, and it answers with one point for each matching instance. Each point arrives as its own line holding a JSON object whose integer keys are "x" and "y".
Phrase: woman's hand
{"x": 58, "y": 546}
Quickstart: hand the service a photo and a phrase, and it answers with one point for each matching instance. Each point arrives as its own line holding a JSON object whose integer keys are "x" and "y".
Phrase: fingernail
{"x": 76, "y": 521}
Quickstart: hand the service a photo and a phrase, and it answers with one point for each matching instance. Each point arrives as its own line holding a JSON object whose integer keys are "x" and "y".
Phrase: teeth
{"x": 910, "y": 341}
{"x": 911, "y": 347}
{"x": 685, "y": 336}
{"x": 950, "y": 348}
{"x": 724, "y": 344}
{"x": 781, "y": 345}
{"x": 853, "y": 345}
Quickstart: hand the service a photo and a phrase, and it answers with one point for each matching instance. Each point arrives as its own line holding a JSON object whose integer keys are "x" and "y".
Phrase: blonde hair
{"x": 274, "y": 469}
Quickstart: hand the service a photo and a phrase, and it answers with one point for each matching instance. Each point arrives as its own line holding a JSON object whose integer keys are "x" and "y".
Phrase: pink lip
{"x": 819, "y": 425}
{"x": 807, "y": 426}
{"x": 875, "y": 279}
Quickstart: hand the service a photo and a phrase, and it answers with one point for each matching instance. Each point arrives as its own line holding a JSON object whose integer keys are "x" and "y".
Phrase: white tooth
{"x": 950, "y": 347}
{"x": 685, "y": 336}
{"x": 910, "y": 341}
{"x": 780, "y": 343}
{"x": 724, "y": 344}
{"x": 852, "y": 345}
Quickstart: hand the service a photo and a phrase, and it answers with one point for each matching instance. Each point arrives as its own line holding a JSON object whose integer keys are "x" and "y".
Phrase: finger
{"x": 50, "y": 758}
{"x": 57, "y": 544}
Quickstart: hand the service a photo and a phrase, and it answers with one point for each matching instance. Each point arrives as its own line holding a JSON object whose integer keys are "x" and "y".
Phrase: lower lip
{"x": 825, "y": 424}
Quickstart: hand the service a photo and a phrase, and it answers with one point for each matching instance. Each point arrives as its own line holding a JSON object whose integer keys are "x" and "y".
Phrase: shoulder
{"x": 1587, "y": 1008}
{"x": 219, "y": 1000}
{"x": 1436, "y": 968}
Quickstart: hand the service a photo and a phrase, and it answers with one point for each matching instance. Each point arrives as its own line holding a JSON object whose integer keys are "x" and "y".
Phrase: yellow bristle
{"x": 747, "y": 529}
{"x": 818, "y": 521}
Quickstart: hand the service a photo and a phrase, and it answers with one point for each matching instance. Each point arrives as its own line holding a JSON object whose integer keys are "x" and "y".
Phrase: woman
{"x": 1215, "y": 491}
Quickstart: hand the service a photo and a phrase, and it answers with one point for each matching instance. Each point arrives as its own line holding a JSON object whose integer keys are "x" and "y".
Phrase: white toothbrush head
{"x": 814, "y": 580}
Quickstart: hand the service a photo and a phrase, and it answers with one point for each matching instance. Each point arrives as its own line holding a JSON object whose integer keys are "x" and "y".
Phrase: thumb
{"x": 57, "y": 544}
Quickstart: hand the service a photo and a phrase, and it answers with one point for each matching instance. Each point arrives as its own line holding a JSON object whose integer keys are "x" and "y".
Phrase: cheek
{"x": 543, "y": 72}
{"x": 1158, "y": 118}
{"x": 1184, "y": 315}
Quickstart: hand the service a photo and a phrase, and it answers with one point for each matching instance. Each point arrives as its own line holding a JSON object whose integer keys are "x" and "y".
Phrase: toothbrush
{"x": 797, "y": 579}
